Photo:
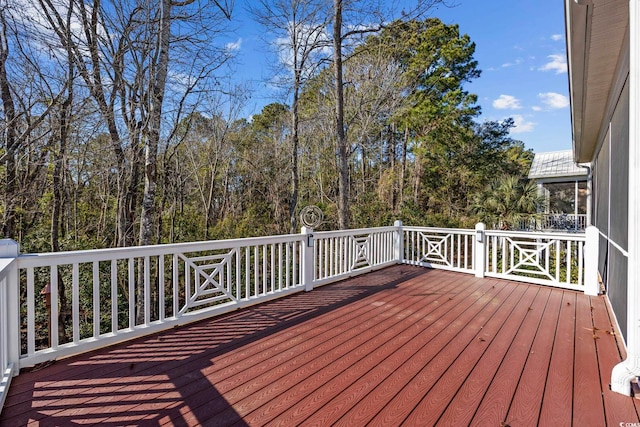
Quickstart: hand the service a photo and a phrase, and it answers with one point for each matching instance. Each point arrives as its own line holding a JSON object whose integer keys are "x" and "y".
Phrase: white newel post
{"x": 307, "y": 258}
{"x": 591, "y": 284}
{"x": 9, "y": 248}
{"x": 479, "y": 249}
{"x": 398, "y": 242}
{"x": 9, "y": 315}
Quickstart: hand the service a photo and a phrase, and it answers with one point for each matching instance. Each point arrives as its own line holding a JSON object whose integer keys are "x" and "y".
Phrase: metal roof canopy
{"x": 556, "y": 164}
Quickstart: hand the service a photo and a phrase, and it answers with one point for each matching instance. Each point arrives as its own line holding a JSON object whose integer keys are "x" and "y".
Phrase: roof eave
{"x": 595, "y": 33}
{"x": 576, "y": 30}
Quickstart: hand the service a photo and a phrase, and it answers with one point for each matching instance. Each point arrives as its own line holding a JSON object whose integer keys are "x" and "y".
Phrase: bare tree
{"x": 126, "y": 54}
{"x": 123, "y": 56}
{"x": 373, "y": 98}
{"x": 10, "y": 125}
{"x": 27, "y": 101}
{"x": 86, "y": 53}
{"x": 298, "y": 29}
{"x": 362, "y": 18}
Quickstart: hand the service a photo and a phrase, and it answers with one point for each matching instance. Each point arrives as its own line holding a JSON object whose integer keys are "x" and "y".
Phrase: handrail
{"x": 46, "y": 258}
{"x": 200, "y": 279}
{"x": 439, "y": 229}
{"x": 354, "y": 231}
{"x": 538, "y": 234}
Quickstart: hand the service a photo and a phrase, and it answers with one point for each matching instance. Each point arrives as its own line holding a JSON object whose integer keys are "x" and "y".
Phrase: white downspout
{"x": 629, "y": 369}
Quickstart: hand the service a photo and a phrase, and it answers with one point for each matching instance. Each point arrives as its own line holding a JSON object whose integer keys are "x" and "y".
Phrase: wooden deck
{"x": 400, "y": 346}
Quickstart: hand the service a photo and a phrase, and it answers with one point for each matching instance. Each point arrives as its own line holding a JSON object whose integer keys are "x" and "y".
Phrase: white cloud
{"x": 557, "y": 63}
{"x": 511, "y": 64}
{"x": 233, "y": 46}
{"x": 506, "y": 102}
{"x": 554, "y": 100}
{"x": 522, "y": 125}
{"x": 557, "y": 37}
{"x": 536, "y": 108}
{"x": 36, "y": 24}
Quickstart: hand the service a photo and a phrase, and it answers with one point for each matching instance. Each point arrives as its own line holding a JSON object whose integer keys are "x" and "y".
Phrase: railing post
{"x": 479, "y": 249}
{"x": 592, "y": 237}
{"x": 307, "y": 258}
{"x": 9, "y": 315}
{"x": 398, "y": 242}
{"x": 10, "y": 249}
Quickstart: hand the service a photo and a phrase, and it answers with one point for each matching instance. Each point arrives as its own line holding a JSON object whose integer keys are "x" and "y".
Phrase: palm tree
{"x": 507, "y": 202}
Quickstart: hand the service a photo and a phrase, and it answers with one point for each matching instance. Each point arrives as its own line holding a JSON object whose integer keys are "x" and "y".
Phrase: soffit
{"x": 595, "y": 39}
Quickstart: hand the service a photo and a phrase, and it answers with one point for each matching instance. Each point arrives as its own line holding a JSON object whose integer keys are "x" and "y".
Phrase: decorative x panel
{"x": 210, "y": 278}
{"x": 528, "y": 254}
{"x": 361, "y": 249}
{"x": 435, "y": 249}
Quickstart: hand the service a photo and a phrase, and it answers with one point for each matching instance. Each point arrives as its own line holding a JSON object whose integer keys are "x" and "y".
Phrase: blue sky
{"x": 520, "y": 48}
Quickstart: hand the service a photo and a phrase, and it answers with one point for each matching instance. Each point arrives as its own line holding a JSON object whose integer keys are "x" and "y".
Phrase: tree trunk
{"x": 152, "y": 139}
{"x": 341, "y": 139}
{"x": 58, "y": 196}
{"x": 393, "y": 166}
{"x": 403, "y": 170}
{"x": 59, "y": 171}
{"x": 295, "y": 180}
{"x": 10, "y": 123}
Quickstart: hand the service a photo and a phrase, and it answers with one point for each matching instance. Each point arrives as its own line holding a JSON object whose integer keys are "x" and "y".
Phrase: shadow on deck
{"x": 403, "y": 345}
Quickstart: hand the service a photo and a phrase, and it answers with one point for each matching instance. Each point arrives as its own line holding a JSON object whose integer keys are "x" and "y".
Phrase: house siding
{"x": 611, "y": 178}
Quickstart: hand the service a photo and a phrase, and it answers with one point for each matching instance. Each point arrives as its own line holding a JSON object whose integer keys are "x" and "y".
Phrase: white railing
{"x": 6, "y": 366}
{"x": 341, "y": 254}
{"x": 553, "y": 259}
{"x": 75, "y": 301}
{"x": 563, "y": 222}
{"x": 554, "y": 222}
{"x": 443, "y": 248}
{"x": 8, "y": 313}
{"x": 58, "y": 304}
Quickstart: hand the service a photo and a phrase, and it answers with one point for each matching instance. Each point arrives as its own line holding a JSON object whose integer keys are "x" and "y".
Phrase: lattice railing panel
{"x": 450, "y": 249}
{"x": 556, "y": 260}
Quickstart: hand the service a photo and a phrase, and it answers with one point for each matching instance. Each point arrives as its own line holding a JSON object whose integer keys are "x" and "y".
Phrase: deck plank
{"x": 557, "y": 404}
{"x": 527, "y": 400}
{"x": 256, "y": 380}
{"x": 461, "y": 408}
{"x": 340, "y": 360}
{"x": 588, "y": 404}
{"x": 510, "y": 312}
{"x": 396, "y": 371}
{"x": 405, "y": 401}
{"x": 214, "y": 333}
{"x": 344, "y": 388}
{"x": 402, "y": 345}
{"x": 496, "y": 400}
{"x": 250, "y": 377}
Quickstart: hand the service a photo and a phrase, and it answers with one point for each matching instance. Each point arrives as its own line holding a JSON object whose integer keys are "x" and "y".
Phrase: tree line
{"x": 120, "y": 125}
